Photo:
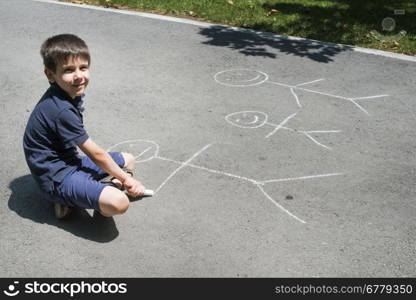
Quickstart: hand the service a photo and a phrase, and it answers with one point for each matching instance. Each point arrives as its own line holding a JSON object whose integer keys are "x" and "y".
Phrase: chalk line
{"x": 296, "y": 97}
{"x": 278, "y": 205}
{"x": 142, "y": 153}
{"x": 299, "y": 178}
{"x": 309, "y": 82}
{"x": 257, "y": 115}
{"x": 131, "y": 142}
{"x": 255, "y": 182}
{"x": 280, "y": 125}
{"x": 369, "y": 97}
{"x": 241, "y": 83}
{"x": 256, "y": 118}
{"x": 353, "y": 100}
{"x": 322, "y": 93}
{"x": 258, "y": 184}
{"x": 182, "y": 166}
{"x": 314, "y": 140}
{"x": 255, "y": 78}
{"x": 360, "y": 107}
{"x": 277, "y": 127}
{"x": 308, "y": 135}
{"x": 298, "y": 86}
{"x": 323, "y": 131}
{"x": 209, "y": 170}
{"x": 282, "y": 84}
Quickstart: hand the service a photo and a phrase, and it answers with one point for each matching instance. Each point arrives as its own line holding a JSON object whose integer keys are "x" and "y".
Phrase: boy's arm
{"x": 106, "y": 162}
{"x": 102, "y": 159}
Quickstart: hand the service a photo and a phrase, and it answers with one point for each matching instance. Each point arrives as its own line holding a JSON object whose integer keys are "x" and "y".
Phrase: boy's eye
{"x": 67, "y": 70}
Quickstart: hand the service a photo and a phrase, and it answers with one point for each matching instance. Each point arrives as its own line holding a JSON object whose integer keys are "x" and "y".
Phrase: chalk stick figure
{"x": 149, "y": 150}
{"x": 247, "y": 77}
{"x": 256, "y": 119}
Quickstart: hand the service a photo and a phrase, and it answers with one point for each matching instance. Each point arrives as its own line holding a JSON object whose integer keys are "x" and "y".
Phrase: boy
{"x": 55, "y": 128}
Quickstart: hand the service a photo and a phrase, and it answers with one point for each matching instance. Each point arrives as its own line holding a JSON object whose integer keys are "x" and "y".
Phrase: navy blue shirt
{"x": 54, "y": 129}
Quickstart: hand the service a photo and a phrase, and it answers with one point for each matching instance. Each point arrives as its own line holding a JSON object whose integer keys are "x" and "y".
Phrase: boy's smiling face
{"x": 72, "y": 76}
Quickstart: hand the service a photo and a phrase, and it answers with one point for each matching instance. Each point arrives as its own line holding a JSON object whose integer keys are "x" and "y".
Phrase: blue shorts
{"x": 82, "y": 188}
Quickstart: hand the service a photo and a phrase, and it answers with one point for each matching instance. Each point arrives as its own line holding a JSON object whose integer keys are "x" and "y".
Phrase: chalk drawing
{"x": 248, "y": 77}
{"x": 151, "y": 149}
{"x": 187, "y": 164}
{"x": 181, "y": 167}
{"x": 256, "y": 119}
{"x": 249, "y": 119}
{"x": 240, "y": 77}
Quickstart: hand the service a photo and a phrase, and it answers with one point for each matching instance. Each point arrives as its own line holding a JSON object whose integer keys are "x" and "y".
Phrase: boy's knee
{"x": 121, "y": 205}
{"x": 113, "y": 202}
{"x": 128, "y": 160}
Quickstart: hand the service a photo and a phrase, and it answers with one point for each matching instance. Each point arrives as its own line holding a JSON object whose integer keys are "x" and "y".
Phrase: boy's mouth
{"x": 78, "y": 85}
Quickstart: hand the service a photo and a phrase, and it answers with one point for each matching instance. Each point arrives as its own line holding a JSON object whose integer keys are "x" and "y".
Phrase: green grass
{"x": 351, "y": 22}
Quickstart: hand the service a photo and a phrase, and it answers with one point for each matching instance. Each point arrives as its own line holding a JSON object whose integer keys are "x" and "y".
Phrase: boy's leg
{"x": 128, "y": 160}
{"x": 80, "y": 189}
{"x": 112, "y": 202}
{"x": 123, "y": 159}
{"x": 60, "y": 207}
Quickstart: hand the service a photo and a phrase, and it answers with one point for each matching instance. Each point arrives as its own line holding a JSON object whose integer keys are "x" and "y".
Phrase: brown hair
{"x": 60, "y": 48}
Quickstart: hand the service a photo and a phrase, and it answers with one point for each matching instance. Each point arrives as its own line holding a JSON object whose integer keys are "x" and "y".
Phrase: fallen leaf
{"x": 230, "y": 2}
{"x": 397, "y": 44}
{"x": 272, "y": 12}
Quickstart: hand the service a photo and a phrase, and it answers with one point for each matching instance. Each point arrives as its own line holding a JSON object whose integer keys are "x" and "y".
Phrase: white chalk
{"x": 148, "y": 193}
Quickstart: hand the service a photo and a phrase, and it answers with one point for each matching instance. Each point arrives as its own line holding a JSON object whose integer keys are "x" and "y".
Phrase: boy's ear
{"x": 49, "y": 75}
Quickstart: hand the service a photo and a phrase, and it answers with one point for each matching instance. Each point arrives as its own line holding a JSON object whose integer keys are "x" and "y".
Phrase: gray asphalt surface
{"x": 231, "y": 201}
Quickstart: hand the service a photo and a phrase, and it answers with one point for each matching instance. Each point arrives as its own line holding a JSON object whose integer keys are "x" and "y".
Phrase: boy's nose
{"x": 77, "y": 74}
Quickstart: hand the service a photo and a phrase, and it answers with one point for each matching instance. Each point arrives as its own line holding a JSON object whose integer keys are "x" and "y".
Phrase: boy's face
{"x": 72, "y": 76}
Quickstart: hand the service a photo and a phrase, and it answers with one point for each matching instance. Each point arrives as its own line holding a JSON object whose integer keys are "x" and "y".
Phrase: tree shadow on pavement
{"x": 265, "y": 44}
{"x": 28, "y": 202}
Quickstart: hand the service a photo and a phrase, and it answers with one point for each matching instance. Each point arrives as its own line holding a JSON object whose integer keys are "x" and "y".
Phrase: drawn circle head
{"x": 388, "y": 24}
{"x": 247, "y": 119}
{"x": 142, "y": 150}
{"x": 240, "y": 77}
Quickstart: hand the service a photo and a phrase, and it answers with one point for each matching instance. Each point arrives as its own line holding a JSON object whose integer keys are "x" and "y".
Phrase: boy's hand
{"x": 134, "y": 187}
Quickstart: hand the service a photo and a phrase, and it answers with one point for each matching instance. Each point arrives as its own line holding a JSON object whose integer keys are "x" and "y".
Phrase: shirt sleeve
{"x": 70, "y": 128}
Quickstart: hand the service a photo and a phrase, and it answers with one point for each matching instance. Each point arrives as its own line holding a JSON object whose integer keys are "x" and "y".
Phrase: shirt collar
{"x": 77, "y": 101}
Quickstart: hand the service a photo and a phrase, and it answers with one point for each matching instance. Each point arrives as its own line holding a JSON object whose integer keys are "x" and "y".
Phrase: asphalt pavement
{"x": 269, "y": 157}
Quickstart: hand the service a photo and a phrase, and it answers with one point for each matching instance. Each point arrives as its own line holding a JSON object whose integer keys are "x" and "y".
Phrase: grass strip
{"x": 383, "y": 24}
